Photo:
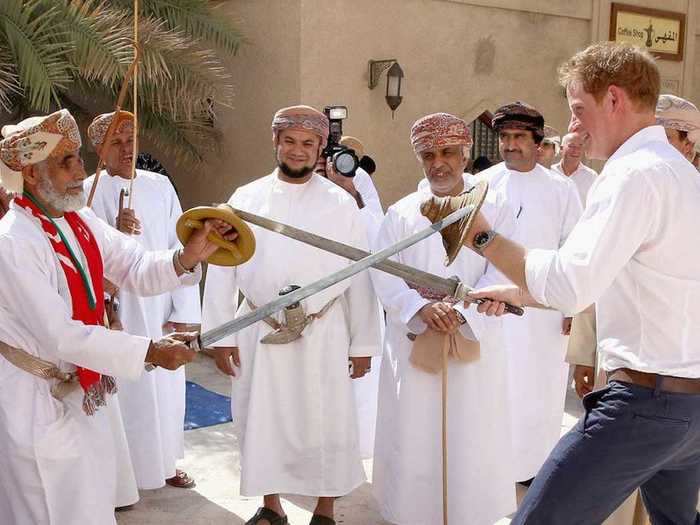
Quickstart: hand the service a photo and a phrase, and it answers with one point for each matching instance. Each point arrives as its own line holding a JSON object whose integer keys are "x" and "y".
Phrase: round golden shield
{"x": 230, "y": 253}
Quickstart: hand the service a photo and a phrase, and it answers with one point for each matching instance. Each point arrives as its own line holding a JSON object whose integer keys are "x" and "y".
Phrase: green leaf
{"x": 39, "y": 46}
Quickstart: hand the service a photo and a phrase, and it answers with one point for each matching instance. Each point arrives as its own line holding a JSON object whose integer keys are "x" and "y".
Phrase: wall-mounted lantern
{"x": 394, "y": 77}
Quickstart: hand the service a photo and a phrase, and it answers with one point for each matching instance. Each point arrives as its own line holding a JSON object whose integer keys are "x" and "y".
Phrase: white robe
{"x": 407, "y": 473}
{"x": 547, "y": 208}
{"x": 367, "y": 388}
{"x": 153, "y": 406}
{"x": 293, "y": 405}
{"x": 57, "y": 465}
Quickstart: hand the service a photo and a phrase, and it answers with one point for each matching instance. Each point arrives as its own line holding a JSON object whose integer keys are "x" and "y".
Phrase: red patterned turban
{"x": 438, "y": 131}
{"x": 97, "y": 130}
{"x": 519, "y": 115}
{"x": 301, "y": 117}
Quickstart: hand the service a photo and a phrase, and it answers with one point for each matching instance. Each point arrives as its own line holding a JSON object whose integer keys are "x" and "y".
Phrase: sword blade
{"x": 451, "y": 286}
{"x": 210, "y": 337}
{"x": 407, "y": 273}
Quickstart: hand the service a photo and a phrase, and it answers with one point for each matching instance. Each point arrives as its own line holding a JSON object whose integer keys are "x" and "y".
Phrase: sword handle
{"x": 462, "y": 293}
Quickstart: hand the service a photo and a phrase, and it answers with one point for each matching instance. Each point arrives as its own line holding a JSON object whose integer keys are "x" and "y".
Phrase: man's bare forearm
{"x": 509, "y": 258}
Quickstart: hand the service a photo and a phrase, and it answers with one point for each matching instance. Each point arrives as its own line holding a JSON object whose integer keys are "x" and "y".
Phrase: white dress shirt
{"x": 583, "y": 177}
{"x": 636, "y": 254}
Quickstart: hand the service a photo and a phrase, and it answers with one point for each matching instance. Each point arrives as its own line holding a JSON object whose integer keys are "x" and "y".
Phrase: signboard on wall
{"x": 660, "y": 32}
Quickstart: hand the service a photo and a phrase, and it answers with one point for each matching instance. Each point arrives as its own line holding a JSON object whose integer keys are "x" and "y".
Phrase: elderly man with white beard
{"x": 407, "y": 476}
{"x": 63, "y": 453}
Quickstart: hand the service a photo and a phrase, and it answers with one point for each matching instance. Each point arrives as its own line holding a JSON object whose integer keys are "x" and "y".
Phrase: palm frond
{"x": 102, "y": 38}
{"x": 39, "y": 49}
{"x": 184, "y": 141}
{"x": 177, "y": 76}
{"x": 9, "y": 80}
{"x": 197, "y": 18}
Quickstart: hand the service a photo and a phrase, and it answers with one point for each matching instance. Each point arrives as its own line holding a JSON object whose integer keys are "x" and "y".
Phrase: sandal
{"x": 181, "y": 480}
{"x": 271, "y": 516}
{"x": 317, "y": 519}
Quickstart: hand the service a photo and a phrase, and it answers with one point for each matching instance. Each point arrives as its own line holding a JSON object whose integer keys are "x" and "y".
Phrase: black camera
{"x": 345, "y": 161}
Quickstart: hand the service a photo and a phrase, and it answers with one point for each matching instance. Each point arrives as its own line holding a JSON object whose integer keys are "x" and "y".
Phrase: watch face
{"x": 480, "y": 238}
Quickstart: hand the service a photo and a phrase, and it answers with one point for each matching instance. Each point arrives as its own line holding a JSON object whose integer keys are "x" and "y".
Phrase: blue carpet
{"x": 205, "y": 408}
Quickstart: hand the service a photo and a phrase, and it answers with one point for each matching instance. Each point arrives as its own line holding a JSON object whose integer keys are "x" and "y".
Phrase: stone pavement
{"x": 211, "y": 457}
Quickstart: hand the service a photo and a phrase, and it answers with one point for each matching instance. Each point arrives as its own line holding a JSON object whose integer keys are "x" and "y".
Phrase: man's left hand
{"x": 360, "y": 366}
{"x": 199, "y": 248}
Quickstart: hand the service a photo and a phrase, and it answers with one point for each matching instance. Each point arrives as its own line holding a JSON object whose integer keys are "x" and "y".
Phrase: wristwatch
{"x": 483, "y": 239}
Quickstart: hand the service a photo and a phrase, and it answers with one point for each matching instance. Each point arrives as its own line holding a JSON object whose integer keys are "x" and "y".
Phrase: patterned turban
{"x": 439, "y": 130}
{"x": 301, "y": 117}
{"x": 677, "y": 113}
{"x": 37, "y": 138}
{"x": 97, "y": 130}
{"x": 519, "y": 115}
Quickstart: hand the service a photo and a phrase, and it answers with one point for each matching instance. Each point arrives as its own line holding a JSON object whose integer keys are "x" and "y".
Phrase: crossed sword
{"x": 451, "y": 287}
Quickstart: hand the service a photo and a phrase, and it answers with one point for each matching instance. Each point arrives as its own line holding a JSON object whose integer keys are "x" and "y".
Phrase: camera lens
{"x": 345, "y": 163}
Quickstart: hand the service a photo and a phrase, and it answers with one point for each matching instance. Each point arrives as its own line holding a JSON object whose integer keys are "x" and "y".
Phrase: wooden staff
{"x": 135, "y": 150}
{"x": 120, "y": 101}
{"x": 106, "y": 144}
{"x": 445, "y": 352}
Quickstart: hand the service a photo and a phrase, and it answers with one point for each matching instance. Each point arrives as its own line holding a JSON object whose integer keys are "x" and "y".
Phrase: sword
{"x": 451, "y": 286}
{"x": 210, "y": 337}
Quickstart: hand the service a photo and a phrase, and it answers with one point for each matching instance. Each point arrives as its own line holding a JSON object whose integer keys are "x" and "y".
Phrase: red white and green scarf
{"x": 87, "y": 307}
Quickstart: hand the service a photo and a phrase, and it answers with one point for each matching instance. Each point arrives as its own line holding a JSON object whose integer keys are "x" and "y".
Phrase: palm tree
{"x": 75, "y": 54}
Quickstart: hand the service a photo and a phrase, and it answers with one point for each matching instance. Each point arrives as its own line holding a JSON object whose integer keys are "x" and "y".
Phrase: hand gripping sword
{"x": 364, "y": 260}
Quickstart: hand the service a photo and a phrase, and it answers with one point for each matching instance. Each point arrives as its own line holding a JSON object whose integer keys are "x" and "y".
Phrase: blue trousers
{"x": 629, "y": 437}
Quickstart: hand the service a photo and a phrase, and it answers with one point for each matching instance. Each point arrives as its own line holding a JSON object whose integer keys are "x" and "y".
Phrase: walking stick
{"x": 445, "y": 350}
{"x": 135, "y": 110}
{"x": 106, "y": 144}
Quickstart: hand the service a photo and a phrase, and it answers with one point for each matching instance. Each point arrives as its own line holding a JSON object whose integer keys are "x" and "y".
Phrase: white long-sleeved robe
{"x": 407, "y": 473}
{"x": 367, "y": 388}
{"x": 547, "y": 208}
{"x": 293, "y": 405}
{"x": 153, "y": 406}
{"x": 57, "y": 465}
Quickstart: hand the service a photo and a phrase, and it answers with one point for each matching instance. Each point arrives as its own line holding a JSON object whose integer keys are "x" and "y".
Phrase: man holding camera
{"x": 292, "y": 399}
{"x": 358, "y": 183}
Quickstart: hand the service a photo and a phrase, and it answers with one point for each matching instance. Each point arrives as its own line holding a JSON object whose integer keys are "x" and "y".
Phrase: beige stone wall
{"x": 458, "y": 56}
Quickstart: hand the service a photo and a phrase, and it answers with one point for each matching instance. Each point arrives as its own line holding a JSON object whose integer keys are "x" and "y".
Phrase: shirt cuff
{"x": 411, "y": 306}
{"x": 473, "y": 329}
{"x": 537, "y": 265}
{"x": 186, "y": 279}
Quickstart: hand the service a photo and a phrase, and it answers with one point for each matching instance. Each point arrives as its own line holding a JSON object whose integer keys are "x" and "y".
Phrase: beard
{"x": 60, "y": 202}
{"x": 295, "y": 174}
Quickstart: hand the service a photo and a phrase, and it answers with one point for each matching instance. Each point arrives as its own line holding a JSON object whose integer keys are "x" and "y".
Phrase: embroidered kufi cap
{"x": 301, "y": 117}
{"x": 97, "y": 130}
{"x": 438, "y": 131}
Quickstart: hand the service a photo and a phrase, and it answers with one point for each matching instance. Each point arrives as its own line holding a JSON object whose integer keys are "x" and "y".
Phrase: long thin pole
{"x": 445, "y": 350}
{"x": 135, "y": 108}
{"x": 106, "y": 144}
